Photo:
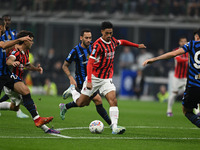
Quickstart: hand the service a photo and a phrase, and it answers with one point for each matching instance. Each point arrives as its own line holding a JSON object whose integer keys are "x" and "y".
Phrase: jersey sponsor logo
{"x": 110, "y": 55}
{"x": 196, "y": 59}
{"x": 81, "y": 55}
{"x": 13, "y": 52}
{"x": 3, "y": 50}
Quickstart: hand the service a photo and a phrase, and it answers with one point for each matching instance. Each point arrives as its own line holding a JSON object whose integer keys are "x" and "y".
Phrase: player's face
{"x": 107, "y": 34}
{"x": 196, "y": 37}
{"x": 7, "y": 21}
{"x": 182, "y": 42}
{"x": 29, "y": 44}
{"x": 86, "y": 39}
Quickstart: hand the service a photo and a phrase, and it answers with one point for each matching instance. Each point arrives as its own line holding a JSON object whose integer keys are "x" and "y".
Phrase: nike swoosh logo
{"x": 81, "y": 55}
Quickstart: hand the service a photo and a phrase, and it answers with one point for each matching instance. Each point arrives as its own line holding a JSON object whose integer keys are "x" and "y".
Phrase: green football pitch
{"x": 146, "y": 123}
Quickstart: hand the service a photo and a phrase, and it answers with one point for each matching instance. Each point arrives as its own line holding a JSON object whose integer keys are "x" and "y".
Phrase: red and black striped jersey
{"x": 103, "y": 52}
{"x": 23, "y": 58}
{"x": 181, "y": 65}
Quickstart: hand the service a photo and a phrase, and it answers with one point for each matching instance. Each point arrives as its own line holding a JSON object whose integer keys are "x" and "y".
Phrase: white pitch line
{"x": 60, "y": 135}
{"x": 137, "y": 127}
{"x": 26, "y": 137}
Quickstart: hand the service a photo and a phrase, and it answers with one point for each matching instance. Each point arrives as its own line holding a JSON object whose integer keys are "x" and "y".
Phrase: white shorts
{"x": 103, "y": 85}
{"x": 178, "y": 83}
{"x": 14, "y": 97}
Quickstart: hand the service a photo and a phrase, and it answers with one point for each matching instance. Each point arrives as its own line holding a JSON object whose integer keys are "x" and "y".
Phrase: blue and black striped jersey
{"x": 193, "y": 76}
{"x": 9, "y": 35}
{"x": 80, "y": 56}
{"x": 3, "y": 67}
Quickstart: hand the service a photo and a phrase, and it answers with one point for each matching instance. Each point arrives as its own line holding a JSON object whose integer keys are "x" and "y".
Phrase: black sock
{"x": 4, "y": 98}
{"x": 102, "y": 112}
{"x": 29, "y": 104}
{"x": 71, "y": 104}
{"x": 193, "y": 118}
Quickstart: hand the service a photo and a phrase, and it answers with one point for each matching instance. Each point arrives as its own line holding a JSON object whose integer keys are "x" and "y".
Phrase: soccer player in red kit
{"x": 180, "y": 75}
{"x": 100, "y": 72}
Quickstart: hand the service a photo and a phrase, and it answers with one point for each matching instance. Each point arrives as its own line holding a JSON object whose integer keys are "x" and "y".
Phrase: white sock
{"x": 44, "y": 128}
{"x": 75, "y": 95}
{"x": 114, "y": 115}
{"x": 36, "y": 117}
{"x": 196, "y": 111}
{"x": 5, "y": 106}
{"x": 171, "y": 101}
{"x": 19, "y": 111}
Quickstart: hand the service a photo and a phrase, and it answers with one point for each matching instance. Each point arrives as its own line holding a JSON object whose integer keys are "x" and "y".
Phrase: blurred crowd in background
{"x": 145, "y": 7}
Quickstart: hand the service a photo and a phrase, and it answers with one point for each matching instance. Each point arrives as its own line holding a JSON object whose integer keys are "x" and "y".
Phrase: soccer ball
{"x": 96, "y": 126}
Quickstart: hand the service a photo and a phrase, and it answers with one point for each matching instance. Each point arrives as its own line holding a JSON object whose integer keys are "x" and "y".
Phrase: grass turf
{"x": 146, "y": 123}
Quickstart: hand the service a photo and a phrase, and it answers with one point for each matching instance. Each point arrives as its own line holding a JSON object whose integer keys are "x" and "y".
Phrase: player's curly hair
{"x": 24, "y": 33}
{"x": 106, "y": 25}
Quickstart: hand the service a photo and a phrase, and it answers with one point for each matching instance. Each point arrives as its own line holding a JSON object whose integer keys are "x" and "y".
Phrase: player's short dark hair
{"x": 2, "y": 22}
{"x": 106, "y": 25}
{"x": 85, "y": 30}
{"x": 24, "y": 33}
{"x": 197, "y": 32}
{"x": 6, "y": 15}
{"x": 182, "y": 37}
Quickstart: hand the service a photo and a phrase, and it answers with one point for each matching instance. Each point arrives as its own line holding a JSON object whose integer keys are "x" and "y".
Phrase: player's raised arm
{"x": 65, "y": 68}
{"x": 164, "y": 56}
{"x": 128, "y": 43}
{"x": 11, "y": 43}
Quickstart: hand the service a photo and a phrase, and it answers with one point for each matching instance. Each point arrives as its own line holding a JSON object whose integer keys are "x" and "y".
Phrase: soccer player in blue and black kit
{"x": 192, "y": 93}
{"x": 80, "y": 54}
{"x": 9, "y": 34}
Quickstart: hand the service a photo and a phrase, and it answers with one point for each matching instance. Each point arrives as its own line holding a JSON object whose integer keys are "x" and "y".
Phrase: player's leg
{"x": 49, "y": 130}
{"x": 100, "y": 109}
{"x": 191, "y": 116}
{"x": 170, "y": 103}
{"x": 190, "y": 100}
{"x": 22, "y": 89}
{"x": 4, "y": 98}
{"x": 114, "y": 113}
{"x": 16, "y": 99}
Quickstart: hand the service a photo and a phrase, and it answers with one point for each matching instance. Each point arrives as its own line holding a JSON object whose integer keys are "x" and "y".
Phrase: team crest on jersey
{"x": 13, "y": 52}
{"x": 88, "y": 56}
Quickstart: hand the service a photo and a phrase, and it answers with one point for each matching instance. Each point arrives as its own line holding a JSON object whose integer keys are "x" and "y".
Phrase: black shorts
{"x": 191, "y": 97}
{"x": 5, "y": 80}
{"x": 79, "y": 88}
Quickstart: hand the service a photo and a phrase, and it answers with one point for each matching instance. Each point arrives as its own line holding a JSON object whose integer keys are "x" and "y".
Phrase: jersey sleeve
{"x": 14, "y": 54}
{"x": 187, "y": 46}
{"x": 71, "y": 56}
{"x": 95, "y": 51}
{"x": 27, "y": 56}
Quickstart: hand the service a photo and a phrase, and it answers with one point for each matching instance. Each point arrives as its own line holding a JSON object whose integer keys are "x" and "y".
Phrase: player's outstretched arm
{"x": 168, "y": 55}
{"x": 34, "y": 68}
{"x": 65, "y": 68}
{"x": 11, "y": 43}
{"x": 128, "y": 43}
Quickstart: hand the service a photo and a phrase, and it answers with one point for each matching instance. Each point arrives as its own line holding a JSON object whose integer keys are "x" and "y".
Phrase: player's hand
{"x": 148, "y": 61}
{"x": 89, "y": 85}
{"x": 40, "y": 69}
{"x": 72, "y": 81}
{"x": 141, "y": 46}
{"x": 15, "y": 63}
{"x": 26, "y": 38}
